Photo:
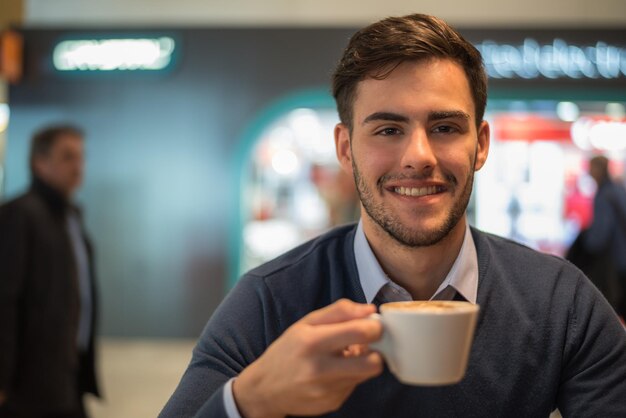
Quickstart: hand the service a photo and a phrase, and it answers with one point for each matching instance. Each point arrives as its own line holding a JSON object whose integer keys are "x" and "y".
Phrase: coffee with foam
{"x": 427, "y": 342}
{"x": 428, "y": 306}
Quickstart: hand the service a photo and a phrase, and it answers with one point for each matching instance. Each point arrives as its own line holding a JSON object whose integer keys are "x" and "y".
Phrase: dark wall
{"x": 162, "y": 191}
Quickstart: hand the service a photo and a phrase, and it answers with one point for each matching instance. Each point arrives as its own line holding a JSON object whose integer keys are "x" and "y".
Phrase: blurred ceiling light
{"x": 603, "y": 135}
{"x": 4, "y": 116}
{"x": 304, "y": 120}
{"x": 113, "y": 54}
{"x": 615, "y": 110}
{"x": 306, "y": 127}
{"x": 280, "y": 137}
{"x": 580, "y": 133}
{"x": 567, "y": 111}
{"x": 285, "y": 162}
{"x": 608, "y": 135}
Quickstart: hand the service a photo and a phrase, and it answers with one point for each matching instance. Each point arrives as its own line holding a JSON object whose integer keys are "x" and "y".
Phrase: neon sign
{"x": 113, "y": 54}
{"x": 556, "y": 60}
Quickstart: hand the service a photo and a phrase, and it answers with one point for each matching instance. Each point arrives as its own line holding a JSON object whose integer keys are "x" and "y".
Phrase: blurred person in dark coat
{"x": 47, "y": 287}
{"x": 606, "y": 236}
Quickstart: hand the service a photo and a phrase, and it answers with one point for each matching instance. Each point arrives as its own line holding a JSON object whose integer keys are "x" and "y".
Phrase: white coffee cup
{"x": 427, "y": 342}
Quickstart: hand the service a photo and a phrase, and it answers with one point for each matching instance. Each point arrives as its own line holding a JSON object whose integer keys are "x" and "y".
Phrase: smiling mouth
{"x": 418, "y": 191}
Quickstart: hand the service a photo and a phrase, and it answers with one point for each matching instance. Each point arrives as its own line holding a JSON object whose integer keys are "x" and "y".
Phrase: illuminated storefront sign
{"x": 114, "y": 54}
{"x": 555, "y": 60}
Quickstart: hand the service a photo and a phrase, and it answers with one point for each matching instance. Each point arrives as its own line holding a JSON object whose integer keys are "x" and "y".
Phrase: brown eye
{"x": 445, "y": 129}
{"x": 389, "y": 131}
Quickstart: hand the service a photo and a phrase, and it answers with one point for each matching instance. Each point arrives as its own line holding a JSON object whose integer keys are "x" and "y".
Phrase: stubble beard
{"x": 394, "y": 227}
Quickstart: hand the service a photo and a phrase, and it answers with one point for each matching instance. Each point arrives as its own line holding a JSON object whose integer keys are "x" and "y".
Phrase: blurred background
{"x": 210, "y": 148}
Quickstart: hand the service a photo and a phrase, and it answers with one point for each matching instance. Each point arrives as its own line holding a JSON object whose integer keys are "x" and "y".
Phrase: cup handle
{"x": 383, "y": 346}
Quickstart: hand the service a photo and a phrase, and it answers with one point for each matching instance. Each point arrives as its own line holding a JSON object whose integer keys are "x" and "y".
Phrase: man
{"x": 47, "y": 289}
{"x": 607, "y": 233}
{"x": 411, "y": 95}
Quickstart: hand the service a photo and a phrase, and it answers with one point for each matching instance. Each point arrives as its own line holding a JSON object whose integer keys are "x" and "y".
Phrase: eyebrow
{"x": 385, "y": 116}
{"x": 432, "y": 116}
{"x": 448, "y": 114}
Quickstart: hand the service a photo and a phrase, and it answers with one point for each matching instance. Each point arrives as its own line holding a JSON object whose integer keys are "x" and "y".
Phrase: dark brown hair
{"x": 376, "y": 50}
{"x": 601, "y": 163}
{"x": 45, "y": 138}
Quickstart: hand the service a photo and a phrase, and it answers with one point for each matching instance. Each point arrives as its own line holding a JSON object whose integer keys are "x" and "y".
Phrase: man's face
{"x": 414, "y": 149}
{"x": 62, "y": 167}
{"x": 595, "y": 171}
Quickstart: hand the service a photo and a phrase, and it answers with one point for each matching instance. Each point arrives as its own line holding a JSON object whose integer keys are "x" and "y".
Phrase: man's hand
{"x": 314, "y": 366}
{"x": 3, "y": 397}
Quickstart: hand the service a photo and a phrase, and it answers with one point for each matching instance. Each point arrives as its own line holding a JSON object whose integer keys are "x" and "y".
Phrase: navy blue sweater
{"x": 545, "y": 337}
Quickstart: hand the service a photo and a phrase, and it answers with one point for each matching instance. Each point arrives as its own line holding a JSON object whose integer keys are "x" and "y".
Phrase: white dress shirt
{"x": 84, "y": 281}
{"x": 462, "y": 277}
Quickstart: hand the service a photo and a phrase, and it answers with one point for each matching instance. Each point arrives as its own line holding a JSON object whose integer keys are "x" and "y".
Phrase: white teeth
{"x": 416, "y": 191}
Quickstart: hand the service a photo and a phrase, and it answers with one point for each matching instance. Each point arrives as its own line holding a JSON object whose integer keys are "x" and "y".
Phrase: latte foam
{"x": 434, "y": 306}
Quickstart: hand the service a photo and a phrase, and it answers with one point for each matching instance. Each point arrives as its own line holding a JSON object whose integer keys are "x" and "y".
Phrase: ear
{"x": 482, "y": 150}
{"x": 342, "y": 147}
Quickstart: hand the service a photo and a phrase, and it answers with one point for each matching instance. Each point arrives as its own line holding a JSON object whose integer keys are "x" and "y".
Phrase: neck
{"x": 50, "y": 189}
{"x": 58, "y": 201}
{"x": 420, "y": 270}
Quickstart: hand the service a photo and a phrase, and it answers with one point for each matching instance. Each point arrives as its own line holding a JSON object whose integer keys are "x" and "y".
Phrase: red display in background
{"x": 530, "y": 127}
{"x": 578, "y": 206}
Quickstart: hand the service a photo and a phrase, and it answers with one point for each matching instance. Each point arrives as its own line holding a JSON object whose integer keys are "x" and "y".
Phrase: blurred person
{"x": 47, "y": 287}
{"x": 606, "y": 236}
{"x": 337, "y": 189}
{"x": 411, "y": 95}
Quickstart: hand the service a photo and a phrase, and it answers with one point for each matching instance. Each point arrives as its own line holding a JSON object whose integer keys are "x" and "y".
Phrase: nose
{"x": 418, "y": 153}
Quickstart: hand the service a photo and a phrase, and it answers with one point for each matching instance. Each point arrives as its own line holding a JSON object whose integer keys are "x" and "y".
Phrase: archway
{"x": 291, "y": 188}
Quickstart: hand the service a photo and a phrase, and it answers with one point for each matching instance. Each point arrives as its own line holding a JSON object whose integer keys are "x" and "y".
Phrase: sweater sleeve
{"x": 12, "y": 269}
{"x": 237, "y": 334}
{"x": 593, "y": 379}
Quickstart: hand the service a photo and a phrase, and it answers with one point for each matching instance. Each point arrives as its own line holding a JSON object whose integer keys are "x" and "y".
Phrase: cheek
{"x": 375, "y": 166}
{"x": 458, "y": 158}
{"x": 374, "y": 161}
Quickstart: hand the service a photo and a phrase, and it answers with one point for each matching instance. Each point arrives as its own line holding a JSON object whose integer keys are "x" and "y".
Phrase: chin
{"x": 418, "y": 225}
{"x": 71, "y": 190}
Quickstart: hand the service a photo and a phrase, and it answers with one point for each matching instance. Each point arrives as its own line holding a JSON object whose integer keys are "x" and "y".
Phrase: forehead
{"x": 597, "y": 164}
{"x": 415, "y": 87}
{"x": 67, "y": 141}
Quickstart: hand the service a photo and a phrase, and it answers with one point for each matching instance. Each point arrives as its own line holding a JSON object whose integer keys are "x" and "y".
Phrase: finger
{"x": 354, "y": 368}
{"x": 355, "y": 350}
{"x": 334, "y": 338}
{"x": 342, "y": 310}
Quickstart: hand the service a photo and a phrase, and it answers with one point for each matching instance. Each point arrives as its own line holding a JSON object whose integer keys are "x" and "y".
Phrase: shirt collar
{"x": 462, "y": 277}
